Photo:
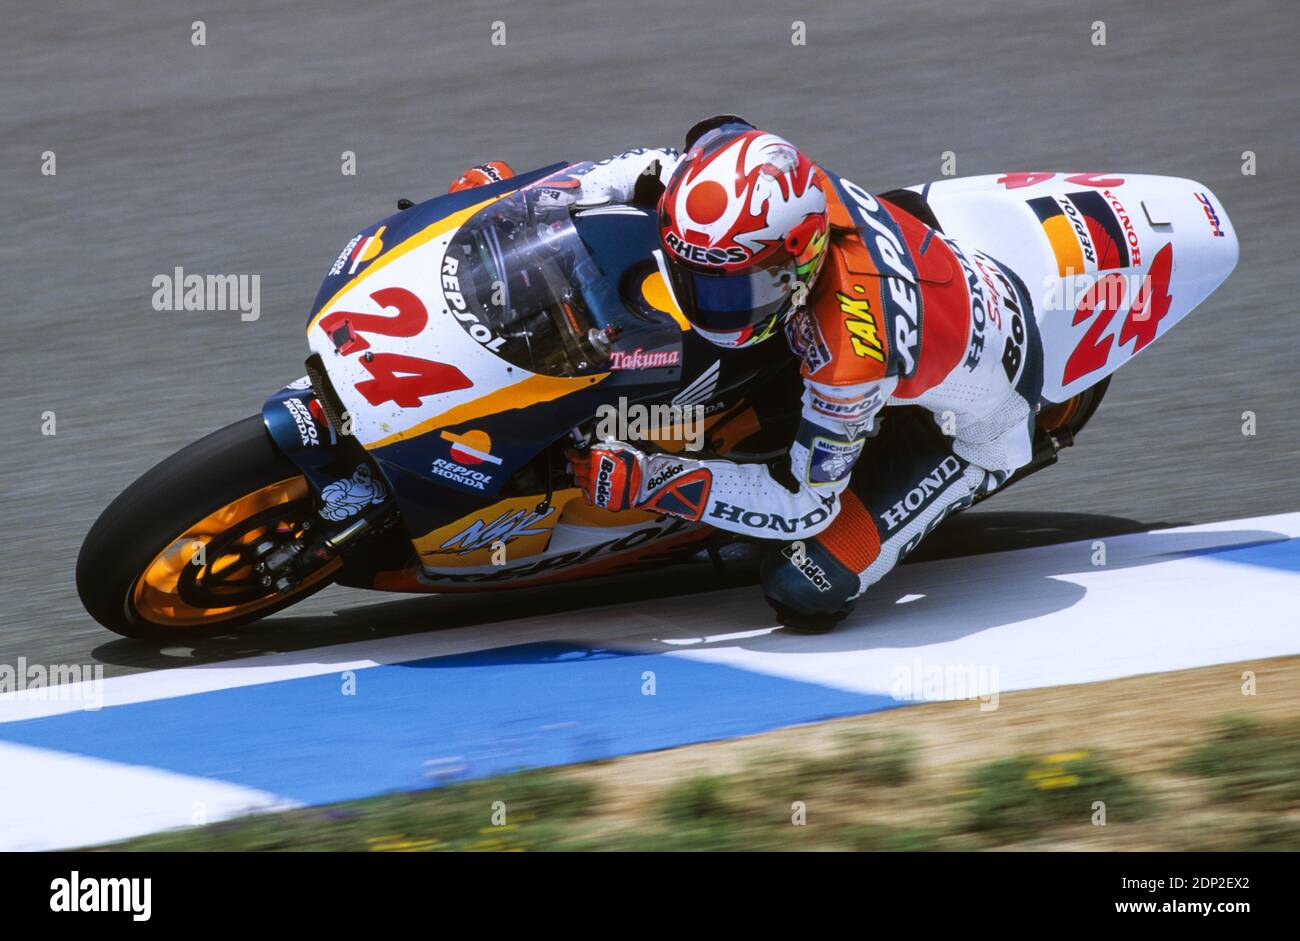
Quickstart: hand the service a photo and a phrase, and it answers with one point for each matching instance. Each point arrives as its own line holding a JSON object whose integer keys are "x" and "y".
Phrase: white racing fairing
{"x": 1112, "y": 261}
{"x": 417, "y": 358}
{"x": 409, "y": 358}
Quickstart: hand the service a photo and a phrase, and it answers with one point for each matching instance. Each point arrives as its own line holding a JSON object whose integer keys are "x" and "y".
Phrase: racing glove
{"x": 616, "y": 476}
{"x": 482, "y": 175}
{"x": 621, "y": 178}
{"x": 609, "y": 474}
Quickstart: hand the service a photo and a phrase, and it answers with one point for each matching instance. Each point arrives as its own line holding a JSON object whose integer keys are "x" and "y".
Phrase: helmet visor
{"x": 724, "y": 303}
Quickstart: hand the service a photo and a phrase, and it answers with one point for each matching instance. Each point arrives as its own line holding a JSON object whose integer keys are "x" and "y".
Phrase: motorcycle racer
{"x": 882, "y": 309}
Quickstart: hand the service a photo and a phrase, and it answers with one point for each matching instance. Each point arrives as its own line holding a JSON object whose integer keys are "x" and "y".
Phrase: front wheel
{"x": 176, "y": 555}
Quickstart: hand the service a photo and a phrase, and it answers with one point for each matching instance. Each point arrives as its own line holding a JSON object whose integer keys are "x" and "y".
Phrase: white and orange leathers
{"x": 960, "y": 358}
{"x": 899, "y": 315}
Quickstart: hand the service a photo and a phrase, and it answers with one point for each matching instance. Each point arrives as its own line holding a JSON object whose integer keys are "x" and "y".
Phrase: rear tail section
{"x": 1113, "y": 261}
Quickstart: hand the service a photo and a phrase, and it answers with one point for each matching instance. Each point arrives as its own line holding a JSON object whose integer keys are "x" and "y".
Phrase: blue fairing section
{"x": 402, "y": 225}
{"x": 306, "y": 438}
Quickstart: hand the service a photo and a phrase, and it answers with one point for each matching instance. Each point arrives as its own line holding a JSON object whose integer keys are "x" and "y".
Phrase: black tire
{"x": 1045, "y": 456}
{"x": 149, "y": 515}
{"x": 1088, "y": 407}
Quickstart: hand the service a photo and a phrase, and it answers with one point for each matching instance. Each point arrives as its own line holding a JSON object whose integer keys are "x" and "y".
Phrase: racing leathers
{"x": 900, "y": 315}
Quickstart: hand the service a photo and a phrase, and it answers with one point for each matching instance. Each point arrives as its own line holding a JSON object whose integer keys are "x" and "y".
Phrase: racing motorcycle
{"x": 461, "y": 345}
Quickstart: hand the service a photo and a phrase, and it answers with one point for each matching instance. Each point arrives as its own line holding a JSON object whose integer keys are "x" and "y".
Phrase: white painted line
{"x": 101, "y": 801}
{"x": 1047, "y": 617}
{"x": 1047, "y": 614}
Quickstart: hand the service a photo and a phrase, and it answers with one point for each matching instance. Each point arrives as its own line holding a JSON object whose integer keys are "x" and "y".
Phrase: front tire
{"x": 173, "y": 557}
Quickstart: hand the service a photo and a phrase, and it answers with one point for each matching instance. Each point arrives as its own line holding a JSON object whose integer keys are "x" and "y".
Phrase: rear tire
{"x": 1068, "y": 417}
{"x": 239, "y": 491}
{"x": 1074, "y": 413}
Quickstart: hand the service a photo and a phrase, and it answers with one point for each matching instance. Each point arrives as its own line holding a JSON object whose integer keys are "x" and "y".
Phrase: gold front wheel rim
{"x": 179, "y": 590}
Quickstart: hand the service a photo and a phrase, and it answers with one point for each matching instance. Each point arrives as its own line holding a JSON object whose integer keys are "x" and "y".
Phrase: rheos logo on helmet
{"x": 739, "y": 200}
{"x": 705, "y": 256}
{"x": 743, "y": 220}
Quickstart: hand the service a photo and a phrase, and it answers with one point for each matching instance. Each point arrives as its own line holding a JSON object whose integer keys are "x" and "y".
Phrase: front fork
{"x": 297, "y": 423}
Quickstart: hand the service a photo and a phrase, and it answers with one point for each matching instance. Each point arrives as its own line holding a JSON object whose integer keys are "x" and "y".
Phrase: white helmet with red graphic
{"x": 743, "y": 224}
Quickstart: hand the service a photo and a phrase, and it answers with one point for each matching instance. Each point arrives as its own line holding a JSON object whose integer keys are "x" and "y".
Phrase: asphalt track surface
{"x": 225, "y": 159}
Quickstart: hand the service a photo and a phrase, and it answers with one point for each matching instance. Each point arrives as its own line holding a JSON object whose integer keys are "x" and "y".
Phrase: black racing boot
{"x": 809, "y": 622}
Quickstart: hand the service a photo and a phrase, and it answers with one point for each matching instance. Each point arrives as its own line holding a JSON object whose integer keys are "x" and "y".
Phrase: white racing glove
{"x": 613, "y": 180}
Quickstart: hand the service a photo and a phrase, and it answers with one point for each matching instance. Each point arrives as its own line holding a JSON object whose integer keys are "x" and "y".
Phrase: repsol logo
{"x": 302, "y": 418}
{"x": 920, "y": 495}
{"x": 753, "y": 519}
{"x": 893, "y": 256}
{"x": 460, "y": 310}
{"x": 461, "y": 474}
{"x": 1080, "y": 229}
{"x": 705, "y": 256}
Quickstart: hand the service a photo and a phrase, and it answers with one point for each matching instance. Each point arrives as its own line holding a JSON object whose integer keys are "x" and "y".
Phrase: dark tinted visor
{"x": 724, "y": 303}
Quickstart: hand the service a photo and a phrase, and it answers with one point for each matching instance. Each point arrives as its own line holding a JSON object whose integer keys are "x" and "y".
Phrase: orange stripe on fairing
{"x": 526, "y": 392}
{"x": 581, "y": 513}
{"x": 1065, "y": 245}
{"x": 655, "y": 291}
{"x": 441, "y": 227}
{"x": 852, "y": 538}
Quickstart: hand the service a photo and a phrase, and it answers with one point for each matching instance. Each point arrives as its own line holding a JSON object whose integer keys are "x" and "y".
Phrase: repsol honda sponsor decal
{"x": 1067, "y": 234}
{"x": 458, "y": 473}
{"x": 849, "y": 411}
{"x": 345, "y": 255}
{"x": 362, "y": 249}
{"x": 460, "y": 309}
{"x": 1126, "y": 225}
{"x": 471, "y": 447}
{"x": 922, "y": 494}
{"x": 900, "y": 285}
{"x": 471, "y": 464}
{"x": 1109, "y": 228}
{"x": 302, "y": 417}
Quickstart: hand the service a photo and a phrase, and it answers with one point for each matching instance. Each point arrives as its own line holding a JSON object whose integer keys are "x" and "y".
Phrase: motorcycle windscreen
{"x": 536, "y": 286}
